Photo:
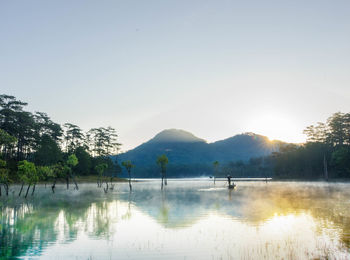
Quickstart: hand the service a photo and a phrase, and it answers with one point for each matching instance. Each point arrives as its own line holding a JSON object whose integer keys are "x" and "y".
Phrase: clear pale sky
{"x": 214, "y": 68}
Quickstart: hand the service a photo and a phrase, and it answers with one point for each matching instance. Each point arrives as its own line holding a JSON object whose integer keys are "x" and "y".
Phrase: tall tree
{"x": 337, "y": 125}
{"x": 7, "y": 143}
{"x": 100, "y": 169}
{"x": 4, "y": 176}
{"x": 9, "y": 106}
{"x": 84, "y": 158}
{"x": 73, "y": 137}
{"x": 45, "y": 127}
{"x": 27, "y": 174}
{"x": 103, "y": 141}
{"x": 162, "y": 161}
{"x": 71, "y": 162}
{"x": 48, "y": 152}
{"x": 128, "y": 166}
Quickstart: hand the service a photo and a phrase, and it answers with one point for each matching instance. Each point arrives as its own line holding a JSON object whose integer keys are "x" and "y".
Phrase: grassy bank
{"x": 94, "y": 179}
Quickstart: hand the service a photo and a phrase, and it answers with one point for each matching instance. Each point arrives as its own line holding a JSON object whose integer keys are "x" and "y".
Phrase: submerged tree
{"x": 128, "y": 166}
{"x": 72, "y": 161}
{"x": 57, "y": 173}
{"x": 216, "y": 166}
{"x": 27, "y": 175}
{"x": 162, "y": 161}
{"x": 100, "y": 168}
{"x": 64, "y": 171}
{"x": 4, "y": 177}
{"x": 44, "y": 173}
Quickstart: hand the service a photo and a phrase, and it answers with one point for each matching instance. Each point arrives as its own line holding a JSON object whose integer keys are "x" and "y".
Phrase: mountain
{"x": 175, "y": 135}
{"x": 243, "y": 147}
{"x": 192, "y": 156}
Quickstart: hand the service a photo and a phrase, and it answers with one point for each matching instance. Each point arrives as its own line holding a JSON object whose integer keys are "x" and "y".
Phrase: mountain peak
{"x": 175, "y": 135}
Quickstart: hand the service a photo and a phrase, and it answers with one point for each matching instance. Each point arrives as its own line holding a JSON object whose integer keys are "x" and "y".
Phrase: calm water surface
{"x": 190, "y": 219}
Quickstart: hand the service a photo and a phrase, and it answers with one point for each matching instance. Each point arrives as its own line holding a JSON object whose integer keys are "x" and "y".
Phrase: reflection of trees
{"x": 128, "y": 214}
{"x": 164, "y": 209}
{"x": 27, "y": 228}
{"x": 18, "y": 229}
{"x": 31, "y": 226}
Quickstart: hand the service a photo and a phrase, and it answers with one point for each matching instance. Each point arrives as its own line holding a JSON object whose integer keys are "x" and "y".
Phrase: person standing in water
{"x": 229, "y": 182}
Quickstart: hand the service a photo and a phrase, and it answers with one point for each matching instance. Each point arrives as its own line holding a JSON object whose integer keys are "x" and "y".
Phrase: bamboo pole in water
{"x": 325, "y": 167}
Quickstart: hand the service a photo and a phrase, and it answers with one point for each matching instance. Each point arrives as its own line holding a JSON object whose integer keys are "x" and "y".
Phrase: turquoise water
{"x": 189, "y": 219}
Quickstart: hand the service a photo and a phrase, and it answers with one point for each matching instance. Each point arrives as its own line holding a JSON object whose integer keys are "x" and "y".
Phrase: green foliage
{"x": 162, "y": 160}
{"x": 106, "y": 160}
{"x": 6, "y": 139}
{"x": 44, "y": 172}
{"x": 103, "y": 141}
{"x": 330, "y": 141}
{"x": 4, "y": 173}
{"x": 72, "y": 160}
{"x": 335, "y": 132}
{"x": 73, "y": 137}
{"x": 341, "y": 161}
{"x": 100, "y": 168}
{"x": 27, "y": 172}
{"x": 39, "y": 139}
{"x": 48, "y": 152}
{"x": 84, "y": 158}
{"x": 216, "y": 166}
{"x": 59, "y": 170}
{"x": 128, "y": 165}
{"x": 2, "y": 163}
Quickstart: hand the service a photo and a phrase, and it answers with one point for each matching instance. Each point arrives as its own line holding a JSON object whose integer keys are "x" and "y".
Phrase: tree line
{"x": 325, "y": 154}
{"x": 34, "y": 148}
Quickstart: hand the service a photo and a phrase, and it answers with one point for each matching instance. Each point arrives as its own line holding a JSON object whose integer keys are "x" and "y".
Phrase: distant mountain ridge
{"x": 176, "y": 135}
{"x": 192, "y": 156}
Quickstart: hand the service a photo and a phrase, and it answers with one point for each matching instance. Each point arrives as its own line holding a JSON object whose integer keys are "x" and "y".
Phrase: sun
{"x": 277, "y": 127}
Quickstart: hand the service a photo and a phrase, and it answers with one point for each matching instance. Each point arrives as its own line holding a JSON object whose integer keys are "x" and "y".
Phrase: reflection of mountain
{"x": 27, "y": 227}
{"x": 251, "y": 203}
{"x": 191, "y": 156}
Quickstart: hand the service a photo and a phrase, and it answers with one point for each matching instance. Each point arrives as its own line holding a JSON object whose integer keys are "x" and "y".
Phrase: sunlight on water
{"x": 188, "y": 220}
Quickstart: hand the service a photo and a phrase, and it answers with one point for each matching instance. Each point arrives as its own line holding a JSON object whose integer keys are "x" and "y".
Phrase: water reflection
{"x": 187, "y": 219}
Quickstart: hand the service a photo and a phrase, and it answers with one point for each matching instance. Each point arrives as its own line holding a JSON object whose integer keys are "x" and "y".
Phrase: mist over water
{"x": 189, "y": 219}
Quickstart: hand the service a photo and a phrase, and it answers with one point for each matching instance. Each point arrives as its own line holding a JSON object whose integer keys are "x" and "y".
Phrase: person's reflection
{"x": 230, "y": 194}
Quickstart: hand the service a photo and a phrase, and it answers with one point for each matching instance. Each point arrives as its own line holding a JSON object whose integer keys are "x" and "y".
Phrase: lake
{"x": 189, "y": 219}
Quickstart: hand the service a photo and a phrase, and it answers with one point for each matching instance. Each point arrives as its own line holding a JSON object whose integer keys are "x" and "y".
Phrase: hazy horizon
{"x": 213, "y": 68}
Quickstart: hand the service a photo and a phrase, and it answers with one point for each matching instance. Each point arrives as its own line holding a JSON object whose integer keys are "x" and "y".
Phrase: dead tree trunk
{"x": 130, "y": 181}
{"x": 75, "y": 182}
{"x": 53, "y": 186}
{"x": 20, "y": 192}
{"x": 27, "y": 191}
{"x": 325, "y": 168}
{"x": 33, "y": 189}
{"x": 106, "y": 189}
{"x": 162, "y": 181}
